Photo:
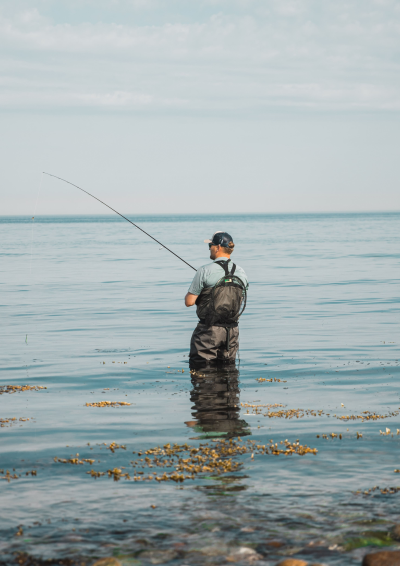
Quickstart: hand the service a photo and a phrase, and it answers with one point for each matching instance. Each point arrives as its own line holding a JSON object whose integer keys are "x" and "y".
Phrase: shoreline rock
{"x": 383, "y": 558}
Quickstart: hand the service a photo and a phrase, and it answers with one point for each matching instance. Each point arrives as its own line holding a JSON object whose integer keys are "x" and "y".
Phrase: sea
{"x": 117, "y": 451}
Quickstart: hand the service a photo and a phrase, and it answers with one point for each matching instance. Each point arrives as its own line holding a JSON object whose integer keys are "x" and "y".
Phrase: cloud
{"x": 115, "y": 99}
{"x": 245, "y": 55}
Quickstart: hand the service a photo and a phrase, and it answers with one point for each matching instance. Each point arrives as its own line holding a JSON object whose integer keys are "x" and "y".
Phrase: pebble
{"x": 109, "y": 561}
{"x": 385, "y": 558}
{"x": 243, "y": 553}
{"x": 215, "y": 550}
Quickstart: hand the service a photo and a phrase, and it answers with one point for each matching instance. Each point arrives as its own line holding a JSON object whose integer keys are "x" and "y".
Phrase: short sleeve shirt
{"x": 208, "y": 275}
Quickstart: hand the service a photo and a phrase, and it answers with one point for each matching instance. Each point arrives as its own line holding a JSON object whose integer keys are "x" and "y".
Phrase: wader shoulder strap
{"x": 224, "y": 265}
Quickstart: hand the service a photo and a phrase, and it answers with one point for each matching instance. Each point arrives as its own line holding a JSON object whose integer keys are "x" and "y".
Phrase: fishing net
{"x": 227, "y": 302}
{"x": 223, "y": 304}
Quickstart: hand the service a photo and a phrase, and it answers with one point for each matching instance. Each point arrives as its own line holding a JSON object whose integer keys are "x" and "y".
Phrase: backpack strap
{"x": 224, "y": 265}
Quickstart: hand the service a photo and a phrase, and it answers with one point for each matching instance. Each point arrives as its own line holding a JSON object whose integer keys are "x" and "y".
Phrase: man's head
{"x": 221, "y": 245}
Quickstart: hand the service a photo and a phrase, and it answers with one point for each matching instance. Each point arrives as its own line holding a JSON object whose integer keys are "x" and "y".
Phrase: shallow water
{"x": 90, "y": 303}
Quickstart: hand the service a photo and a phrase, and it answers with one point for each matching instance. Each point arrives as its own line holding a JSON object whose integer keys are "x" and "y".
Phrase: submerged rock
{"x": 158, "y": 556}
{"x": 395, "y": 533}
{"x": 369, "y": 538}
{"x": 292, "y": 562}
{"x": 275, "y": 543}
{"x": 109, "y": 561}
{"x": 213, "y": 515}
{"x": 385, "y": 558}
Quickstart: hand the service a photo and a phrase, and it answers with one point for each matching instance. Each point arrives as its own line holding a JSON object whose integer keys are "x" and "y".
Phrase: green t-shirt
{"x": 208, "y": 275}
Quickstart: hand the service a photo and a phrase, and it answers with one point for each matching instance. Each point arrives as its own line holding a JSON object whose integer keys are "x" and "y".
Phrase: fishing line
{"x": 32, "y": 222}
{"x": 122, "y": 216}
{"x": 30, "y": 285}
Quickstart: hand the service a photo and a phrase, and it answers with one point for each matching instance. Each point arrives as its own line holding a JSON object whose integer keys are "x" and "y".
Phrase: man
{"x": 215, "y": 340}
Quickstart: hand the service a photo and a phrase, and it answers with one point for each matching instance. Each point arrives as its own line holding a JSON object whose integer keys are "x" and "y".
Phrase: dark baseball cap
{"x": 220, "y": 239}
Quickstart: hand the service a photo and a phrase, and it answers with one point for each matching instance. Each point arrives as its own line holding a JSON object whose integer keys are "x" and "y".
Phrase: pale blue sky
{"x": 185, "y": 106}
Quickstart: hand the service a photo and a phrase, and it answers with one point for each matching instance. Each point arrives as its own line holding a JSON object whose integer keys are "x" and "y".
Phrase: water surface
{"x": 93, "y": 310}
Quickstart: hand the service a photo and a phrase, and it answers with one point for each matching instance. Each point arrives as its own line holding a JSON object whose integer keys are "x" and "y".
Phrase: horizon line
{"x": 272, "y": 213}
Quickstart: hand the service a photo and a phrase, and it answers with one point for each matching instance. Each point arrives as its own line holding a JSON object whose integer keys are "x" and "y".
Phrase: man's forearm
{"x": 190, "y": 299}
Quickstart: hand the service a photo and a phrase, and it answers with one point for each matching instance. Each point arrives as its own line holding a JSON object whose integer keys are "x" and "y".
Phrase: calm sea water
{"x": 93, "y": 310}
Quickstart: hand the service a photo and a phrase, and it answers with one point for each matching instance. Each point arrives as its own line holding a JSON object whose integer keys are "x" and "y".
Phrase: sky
{"x": 195, "y": 106}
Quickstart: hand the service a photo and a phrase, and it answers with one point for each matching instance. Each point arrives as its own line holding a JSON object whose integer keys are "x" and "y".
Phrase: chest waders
{"x": 223, "y": 304}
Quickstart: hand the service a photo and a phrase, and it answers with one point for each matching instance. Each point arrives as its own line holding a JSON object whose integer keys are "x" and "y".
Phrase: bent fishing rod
{"x": 122, "y": 216}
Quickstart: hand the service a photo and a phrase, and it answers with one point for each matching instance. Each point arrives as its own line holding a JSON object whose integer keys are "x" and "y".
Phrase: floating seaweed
{"x": 107, "y": 404}
{"x": 189, "y": 461}
{"x": 75, "y": 460}
{"x": 273, "y": 379}
{"x": 11, "y": 421}
{"x": 8, "y": 476}
{"x": 19, "y": 388}
{"x": 384, "y": 490}
{"x": 368, "y": 416}
{"x": 388, "y": 431}
{"x": 96, "y": 474}
{"x": 286, "y": 414}
{"x": 114, "y": 446}
{"x": 300, "y": 413}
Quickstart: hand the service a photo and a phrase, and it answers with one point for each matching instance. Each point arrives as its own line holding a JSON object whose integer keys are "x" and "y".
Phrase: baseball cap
{"x": 220, "y": 239}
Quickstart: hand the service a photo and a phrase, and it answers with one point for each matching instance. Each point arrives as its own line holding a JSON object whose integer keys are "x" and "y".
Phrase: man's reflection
{"x": 216, "y": 408}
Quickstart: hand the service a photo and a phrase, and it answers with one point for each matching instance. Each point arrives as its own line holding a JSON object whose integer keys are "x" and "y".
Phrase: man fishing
{"x": 219, "y": 290}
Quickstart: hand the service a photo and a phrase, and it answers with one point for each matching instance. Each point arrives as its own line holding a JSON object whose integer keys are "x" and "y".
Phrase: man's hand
{"x": 190, "y": 299}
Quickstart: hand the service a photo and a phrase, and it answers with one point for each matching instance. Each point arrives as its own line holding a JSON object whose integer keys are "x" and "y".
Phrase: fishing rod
{"x": 122, "y": 216}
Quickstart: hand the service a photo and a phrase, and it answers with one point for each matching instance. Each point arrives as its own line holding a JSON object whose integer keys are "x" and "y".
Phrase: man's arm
{"x": 195, "y": 288}
{"x": 190, "y": 299}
